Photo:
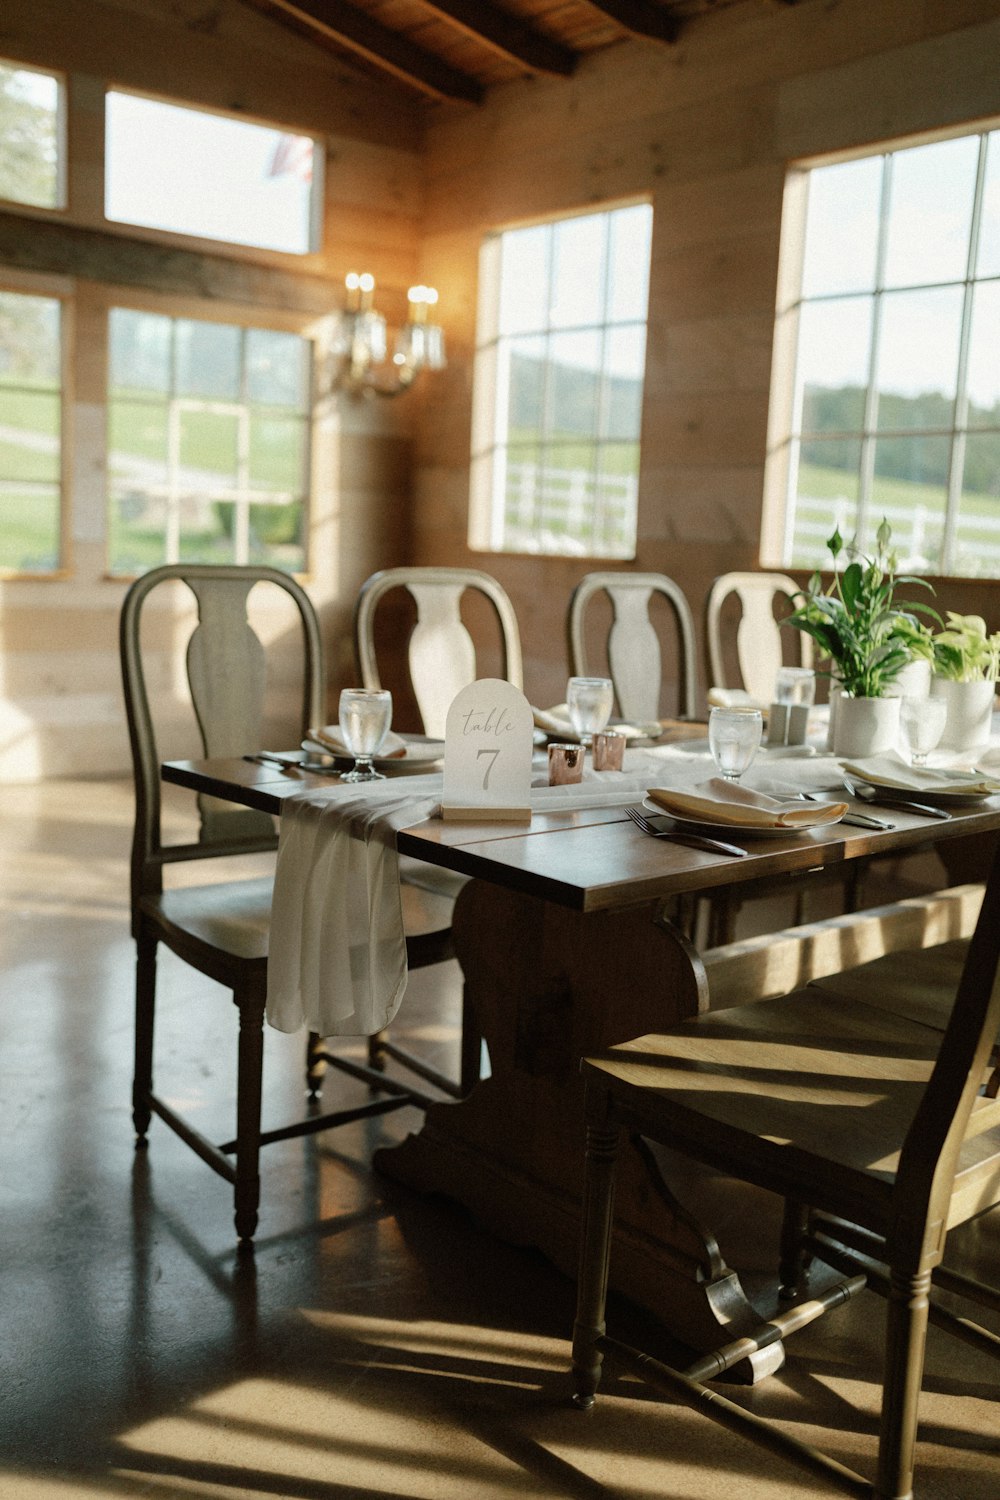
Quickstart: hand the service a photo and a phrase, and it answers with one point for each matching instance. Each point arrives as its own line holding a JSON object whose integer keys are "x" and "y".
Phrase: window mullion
{"x": 870, "y": 420}
{"x": 961, "y": 415}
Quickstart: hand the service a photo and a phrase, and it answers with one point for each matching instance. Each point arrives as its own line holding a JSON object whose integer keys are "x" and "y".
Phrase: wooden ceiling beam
{"x": 642, "y": 17}
{"x": 357, "y": 31}
{"x": 507, "y": 34}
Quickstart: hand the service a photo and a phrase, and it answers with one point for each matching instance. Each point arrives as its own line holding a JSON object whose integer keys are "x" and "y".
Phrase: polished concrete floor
{"x": 377, "y": 1344}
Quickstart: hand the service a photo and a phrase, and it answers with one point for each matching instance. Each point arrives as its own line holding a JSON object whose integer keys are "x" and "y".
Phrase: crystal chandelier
{"x": 358, "y": 360}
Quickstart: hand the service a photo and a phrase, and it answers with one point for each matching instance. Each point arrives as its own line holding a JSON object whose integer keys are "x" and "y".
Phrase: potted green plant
{"x": 867, "y": 636}
{"x": 966, "y": 668}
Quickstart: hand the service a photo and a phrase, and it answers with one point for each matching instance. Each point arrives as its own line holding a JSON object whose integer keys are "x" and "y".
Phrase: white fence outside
{"x": 917, "y": 536}
{"x": 570, "y": 511}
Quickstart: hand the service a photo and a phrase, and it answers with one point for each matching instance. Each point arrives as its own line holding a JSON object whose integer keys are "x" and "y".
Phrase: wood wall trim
{"x": 49, "y": 248}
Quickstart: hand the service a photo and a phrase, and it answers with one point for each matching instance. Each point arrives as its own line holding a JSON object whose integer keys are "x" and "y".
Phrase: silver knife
{"x": 289, "y": 763}
{"x": 924, "y": 809}
{"x": 862, "y": 820}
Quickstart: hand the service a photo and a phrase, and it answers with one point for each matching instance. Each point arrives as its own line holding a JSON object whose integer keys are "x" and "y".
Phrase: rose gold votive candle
{"x": 609, "y": 750}
{"x": 565, "y": 764}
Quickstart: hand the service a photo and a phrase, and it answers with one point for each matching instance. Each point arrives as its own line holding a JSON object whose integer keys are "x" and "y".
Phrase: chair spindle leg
{"x": 248, "y": 1091}
{"x": 145, "y": 1006}
{"x": 906, "y": 1337}
{"x": 595, "y": 1256}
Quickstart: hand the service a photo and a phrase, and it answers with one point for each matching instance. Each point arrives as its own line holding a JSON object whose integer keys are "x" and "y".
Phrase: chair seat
{"x": 231, "y": 919}
{"x": 920, "y": 985}
{"x": 807, "y": 1087}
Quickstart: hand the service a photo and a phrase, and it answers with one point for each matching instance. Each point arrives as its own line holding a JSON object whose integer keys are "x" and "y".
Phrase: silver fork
{"x": 678, "y": 836}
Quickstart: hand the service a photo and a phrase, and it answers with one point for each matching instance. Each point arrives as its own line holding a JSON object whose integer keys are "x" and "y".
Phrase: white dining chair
{"x": 633, "y": 644}
{"x": 441, "y": 658}
{"x": 752, "y": 637}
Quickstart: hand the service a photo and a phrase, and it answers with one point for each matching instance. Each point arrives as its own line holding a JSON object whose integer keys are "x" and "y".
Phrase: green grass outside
{"x": 29, "y": 528}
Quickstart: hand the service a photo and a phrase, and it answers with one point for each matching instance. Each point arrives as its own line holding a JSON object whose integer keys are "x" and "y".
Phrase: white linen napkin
{"x": 557, "y": 723}
{"x": 891, "y": 770}
{"x": 331, "y": 738}
{"x": 717, "y": 697}
{"x": 337, "y": 960}
{"x": 720, "y": 801}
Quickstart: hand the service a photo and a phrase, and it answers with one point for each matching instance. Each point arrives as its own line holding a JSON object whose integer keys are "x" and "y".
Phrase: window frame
{"x": 58, "y": 289}
{"x": 785, "y": 431}
{"x": 489, "y": 445}
{"x": 268, "y": 319}
{"x": 298, "y": 259}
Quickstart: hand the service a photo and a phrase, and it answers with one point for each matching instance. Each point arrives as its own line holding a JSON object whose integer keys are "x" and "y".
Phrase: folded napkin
{"x": 723, "y": 802}
{"x": 557, "y": 723}
{"x": 330, "y": 738}
{"x": 337, "y": 960}
{"x": 891, "y": 770}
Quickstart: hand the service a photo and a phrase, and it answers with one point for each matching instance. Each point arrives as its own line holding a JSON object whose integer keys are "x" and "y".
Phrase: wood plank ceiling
{"x": 457, "y": 49}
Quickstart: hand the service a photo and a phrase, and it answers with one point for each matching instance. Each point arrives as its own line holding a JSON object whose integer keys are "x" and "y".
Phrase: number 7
{"x": 493, "y": 758}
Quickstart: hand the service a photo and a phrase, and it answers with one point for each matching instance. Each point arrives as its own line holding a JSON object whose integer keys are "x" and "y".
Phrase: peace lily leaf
{"x": 858, "y": 624}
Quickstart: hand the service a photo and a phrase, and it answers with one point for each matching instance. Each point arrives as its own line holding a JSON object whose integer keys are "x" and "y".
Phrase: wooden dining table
{"x": 564, "y": 935}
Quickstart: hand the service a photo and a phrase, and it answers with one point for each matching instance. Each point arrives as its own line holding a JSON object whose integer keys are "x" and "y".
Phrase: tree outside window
{"x": 30, "y": 136}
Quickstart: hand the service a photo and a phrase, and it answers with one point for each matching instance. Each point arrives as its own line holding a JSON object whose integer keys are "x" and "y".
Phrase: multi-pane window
{"x": 208, "y": 444}
{"x": 30, "y": 433}
{"x": 896, "y": 398}
{"x": 188, "y": 171}
{"x": 558, "y": 386}
{"x": 31, "y": 154}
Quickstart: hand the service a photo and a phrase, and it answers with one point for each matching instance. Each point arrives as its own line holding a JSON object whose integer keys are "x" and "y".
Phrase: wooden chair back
{"x": 934, "y": 1187}
{"x": 441, "y": 653}
{"x": 758, "y": 641}
{"x": 634, "y": 655}
{"x": 228, "y": 681}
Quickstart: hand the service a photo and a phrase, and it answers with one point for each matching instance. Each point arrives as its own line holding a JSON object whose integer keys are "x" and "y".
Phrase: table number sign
{"x": 487, "y": 754}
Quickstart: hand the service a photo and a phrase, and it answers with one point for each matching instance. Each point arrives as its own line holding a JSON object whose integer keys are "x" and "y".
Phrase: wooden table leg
{"x": 547, "y": 986}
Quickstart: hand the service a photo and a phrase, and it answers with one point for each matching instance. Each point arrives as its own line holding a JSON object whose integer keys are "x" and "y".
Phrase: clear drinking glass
{"x": 795, "y": 685}
{"x": 365, "y": 716}
{"x": 733, "y": 738}
{"x": 590, "y": 701}
{"x": 921, "y": 722}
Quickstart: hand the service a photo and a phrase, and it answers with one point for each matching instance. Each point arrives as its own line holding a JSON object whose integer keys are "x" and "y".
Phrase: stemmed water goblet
{"x": 921, "y": 722}
{"x": 590, "y": 701}
{"x": 365, "y": 716}
{"x": 734, "y": 738}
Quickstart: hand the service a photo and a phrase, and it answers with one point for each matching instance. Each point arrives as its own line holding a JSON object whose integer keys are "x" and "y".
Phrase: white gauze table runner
{"x": 338, "y": 950}
{"x": 337, "y": 960}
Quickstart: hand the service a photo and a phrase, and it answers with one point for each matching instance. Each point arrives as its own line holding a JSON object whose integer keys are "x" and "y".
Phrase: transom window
{"x": 30, "y": 433}
{"x": 31, "y": 136}
{"x": 189, "y": 171}
{"x": 558, "y": 385}
{"x": 208, "y": 444}
{"x": 895, "y": 406}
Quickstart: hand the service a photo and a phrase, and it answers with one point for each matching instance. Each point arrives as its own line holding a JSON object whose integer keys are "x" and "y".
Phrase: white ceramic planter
{"x": 914, "y": 681}
{"x": 970, "y": 712}
{"x": 865, "y": 726}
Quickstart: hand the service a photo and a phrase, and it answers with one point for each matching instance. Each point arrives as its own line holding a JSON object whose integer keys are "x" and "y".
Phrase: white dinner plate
{"x": 421, "y": 750}
{"x": 933, "y": 796}
{"x": 732, "y": 830}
